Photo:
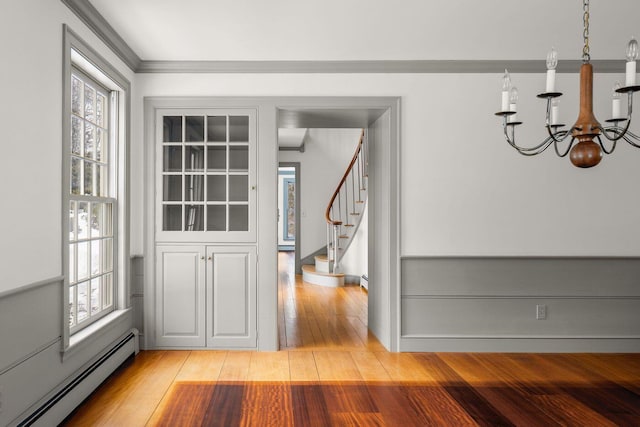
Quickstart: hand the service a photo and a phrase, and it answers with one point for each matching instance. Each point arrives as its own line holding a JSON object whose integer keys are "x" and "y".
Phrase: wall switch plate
{"x": 541, "y": 312}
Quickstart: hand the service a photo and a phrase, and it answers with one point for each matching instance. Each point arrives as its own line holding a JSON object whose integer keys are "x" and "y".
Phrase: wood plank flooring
{"x": 332, "y": 372}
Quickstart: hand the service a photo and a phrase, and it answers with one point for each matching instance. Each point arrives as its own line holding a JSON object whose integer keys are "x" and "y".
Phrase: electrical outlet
{"x": 541, "y": 312}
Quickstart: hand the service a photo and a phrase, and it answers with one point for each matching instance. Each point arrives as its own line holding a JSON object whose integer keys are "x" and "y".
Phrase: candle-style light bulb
{"x": 632, "y": 50}
{"x": 616, "y": 107}
{"x": 552, "y": 59}
{"x": 506, "y": 87}
{"x": 513, "y": 103}
{"x": 552, "y": 63}
{"x": 632, "y": 56}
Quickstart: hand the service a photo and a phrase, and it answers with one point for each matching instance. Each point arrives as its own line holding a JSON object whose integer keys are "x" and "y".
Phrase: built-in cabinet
{"x": 206, "y": 296}
{"x": 205, "y": 228}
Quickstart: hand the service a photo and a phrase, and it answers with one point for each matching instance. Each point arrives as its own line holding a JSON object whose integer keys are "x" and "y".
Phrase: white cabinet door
{"x": 180, "y": 292}
{"x": 231, "y": 297}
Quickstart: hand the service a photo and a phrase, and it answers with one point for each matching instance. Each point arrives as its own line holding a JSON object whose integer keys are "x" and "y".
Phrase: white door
{"x": 180, "y": 303}
{"x": 231, "y": 296}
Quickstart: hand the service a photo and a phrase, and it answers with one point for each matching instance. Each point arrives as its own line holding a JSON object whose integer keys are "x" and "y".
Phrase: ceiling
{"x": 301, "y": 30}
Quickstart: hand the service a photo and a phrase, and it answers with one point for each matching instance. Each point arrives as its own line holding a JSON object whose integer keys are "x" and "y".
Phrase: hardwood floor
{"x": 330, "y": 371}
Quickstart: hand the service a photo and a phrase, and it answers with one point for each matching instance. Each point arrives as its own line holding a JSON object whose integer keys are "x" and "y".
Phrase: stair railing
{"x": 343, "y": 206}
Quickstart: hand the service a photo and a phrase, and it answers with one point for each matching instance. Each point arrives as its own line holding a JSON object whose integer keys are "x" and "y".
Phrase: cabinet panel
{"x": 180, "y": 304}
{"x": 231, "y": 298}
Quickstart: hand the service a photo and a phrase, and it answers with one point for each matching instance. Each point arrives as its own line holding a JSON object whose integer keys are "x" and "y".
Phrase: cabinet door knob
{"x": 202, "y": 257}
{"x": 210, "y": 258}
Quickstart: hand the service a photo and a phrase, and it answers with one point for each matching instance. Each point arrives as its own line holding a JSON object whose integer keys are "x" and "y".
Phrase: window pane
{"x": 217, "y": 128}
{"x": 194, "y": 158}
{"x": 172, "y": 159}
{"x": 96, "y": 290}
{"x": 216, "y": 218}
{"x": 76, "y": 96}
{"x": 194, "y": 218}
{"x": 107, "y": 255}
{"x": 72, "y": 263}
{"x": 100, "y": 135}
{"x": 238, "y": 188}
{"x": 72, "y": 305}
{"x": 217, "y": 188}
{"x": 89, "y": 100}
{"x": 107, "y": 290}
{"x": 76, "y": 136}
{"x": 238, "y": 128}
{"x": 76, "y": 175}
{"x": 107, "y": 226}
{"x": 83, "y": 260}
{"x": 194, "y": 128}
{"x": 88, "y": 178}
{"x": 101, "y": 102}
{"x": 101, "y": 181}
{"x": 96, "y": 255}
{"x": 72, "y": 221}
{"x": 96, "y": 220}
{"x": 172, "y": 188}
{"x": 239, "y": 218}
{"x": 172, "y": 217}
{"x": 172, "y": 128}
{"x": 194, "y": 188}
{"x": 83, "y": 220}
{"x": 83, "y": 301}
{"x": 217, "y": 158}
{"x": 239, "y": 158}
{"x": 89, "y": 141}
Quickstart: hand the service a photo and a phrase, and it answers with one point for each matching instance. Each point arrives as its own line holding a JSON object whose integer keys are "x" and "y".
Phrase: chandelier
{"x": 586, "y": 152}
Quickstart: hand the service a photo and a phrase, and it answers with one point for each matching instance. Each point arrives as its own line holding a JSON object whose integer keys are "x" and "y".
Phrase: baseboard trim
{"x": 521, "y": 345}
{"x": 76, "y": 381}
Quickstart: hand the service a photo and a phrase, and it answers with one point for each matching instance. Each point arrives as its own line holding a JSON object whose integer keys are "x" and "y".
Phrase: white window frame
{"x": 80, "y": 56}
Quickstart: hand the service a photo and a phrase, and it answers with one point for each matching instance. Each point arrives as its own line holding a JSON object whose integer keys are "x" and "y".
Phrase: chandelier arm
{"x": 629, "y": 136}
{"x": 558, "y": 136}
{"x": 531, "y": 150}
{"x": 613, "y": 145}
{"x": 555, "y": 146}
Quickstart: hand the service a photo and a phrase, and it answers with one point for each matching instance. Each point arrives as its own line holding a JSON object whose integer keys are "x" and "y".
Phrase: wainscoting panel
{"x": 491, "y": 304}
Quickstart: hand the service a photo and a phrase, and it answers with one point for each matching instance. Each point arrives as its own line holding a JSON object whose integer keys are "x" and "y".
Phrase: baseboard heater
{"x": 79, "y": 379}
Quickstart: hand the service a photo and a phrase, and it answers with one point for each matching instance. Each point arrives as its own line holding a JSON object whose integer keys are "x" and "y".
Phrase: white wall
{"x": 464, "y": 191}
{"x": 30, "y": 221}
{"x": 323, "y": 163}
{"x": 30, "y": 115}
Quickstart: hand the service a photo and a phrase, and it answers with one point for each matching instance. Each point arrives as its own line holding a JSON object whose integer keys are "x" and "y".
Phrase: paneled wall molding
{"x": 99, "y": 25}
{"x": 30, "y": 286}
{"x": 492, "y": 303}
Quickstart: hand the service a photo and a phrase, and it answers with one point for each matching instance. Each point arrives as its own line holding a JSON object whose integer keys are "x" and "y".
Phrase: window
{"x": 92, "y": 201}
{"x": 95, "y": 254}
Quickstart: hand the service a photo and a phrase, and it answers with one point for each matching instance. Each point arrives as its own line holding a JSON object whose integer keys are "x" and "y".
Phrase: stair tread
{"x": 312, "y": 269}
{"x": 322, "y": 258}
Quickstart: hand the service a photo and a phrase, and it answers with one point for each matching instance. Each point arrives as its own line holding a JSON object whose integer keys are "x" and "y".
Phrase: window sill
{"x": 83, "y": 338}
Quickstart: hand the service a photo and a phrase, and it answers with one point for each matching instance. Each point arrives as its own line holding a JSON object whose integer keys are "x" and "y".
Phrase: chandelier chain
{"x": 585, "y": 35}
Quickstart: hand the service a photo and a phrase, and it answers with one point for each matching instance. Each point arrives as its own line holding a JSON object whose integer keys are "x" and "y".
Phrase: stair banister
{"x": 334, "y": 224}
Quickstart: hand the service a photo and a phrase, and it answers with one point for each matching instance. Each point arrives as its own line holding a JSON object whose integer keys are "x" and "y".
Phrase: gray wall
{"x": 489, "y": 304}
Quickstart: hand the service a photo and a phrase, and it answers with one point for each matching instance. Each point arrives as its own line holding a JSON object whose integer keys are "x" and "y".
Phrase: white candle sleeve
{"x": 616, "y": 108}
{"x": 551, "y": 81}
{"x": 505, "y": 100}
{"x": 513, "y": 107}
{"x": 555, "y": 111}
{"x": 630, "y": 76}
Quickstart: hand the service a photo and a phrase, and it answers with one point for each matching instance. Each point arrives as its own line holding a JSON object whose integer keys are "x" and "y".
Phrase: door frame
{"x": 384, "y": 282}
{"x": 296, "y": 165}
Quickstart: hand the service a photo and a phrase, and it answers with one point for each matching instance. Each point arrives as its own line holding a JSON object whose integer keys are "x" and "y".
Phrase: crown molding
{"x": 88, "y": 14}
{"x": 96, "y": 22}
{"x": 379, "y": 66}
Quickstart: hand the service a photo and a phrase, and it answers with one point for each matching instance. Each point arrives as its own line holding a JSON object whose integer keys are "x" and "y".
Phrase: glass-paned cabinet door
{"x": 206, "y": 171}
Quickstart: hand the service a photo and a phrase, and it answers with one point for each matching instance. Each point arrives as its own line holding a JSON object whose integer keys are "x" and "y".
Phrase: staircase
{"x": 343, "y": 215}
